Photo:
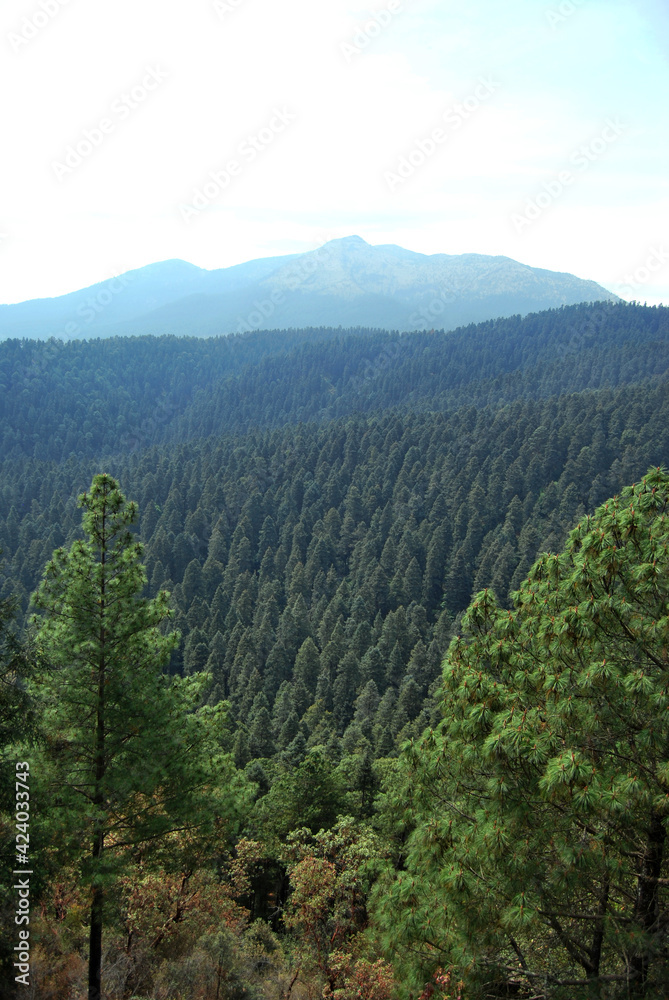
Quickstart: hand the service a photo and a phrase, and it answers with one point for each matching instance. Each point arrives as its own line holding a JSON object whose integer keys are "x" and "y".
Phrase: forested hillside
{"x": 322, "y": 505}
{"x": 122, "y": 395}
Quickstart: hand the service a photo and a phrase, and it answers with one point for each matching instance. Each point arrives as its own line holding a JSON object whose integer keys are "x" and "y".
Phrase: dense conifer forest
{"x": 322, "y": 506}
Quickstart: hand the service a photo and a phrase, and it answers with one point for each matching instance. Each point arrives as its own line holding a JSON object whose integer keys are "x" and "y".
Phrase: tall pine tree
{"x": 129, "y": 758}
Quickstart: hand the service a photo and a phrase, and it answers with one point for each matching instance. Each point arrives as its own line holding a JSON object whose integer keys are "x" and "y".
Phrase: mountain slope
{"x": 346, "y": 282}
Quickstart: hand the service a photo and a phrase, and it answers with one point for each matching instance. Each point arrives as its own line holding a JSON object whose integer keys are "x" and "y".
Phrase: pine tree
{"x": 130, "y": 758}
{"x": 541, "y": 803}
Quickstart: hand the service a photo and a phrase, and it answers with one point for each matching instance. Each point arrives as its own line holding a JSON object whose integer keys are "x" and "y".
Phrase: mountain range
{"x": 346, "y": 282}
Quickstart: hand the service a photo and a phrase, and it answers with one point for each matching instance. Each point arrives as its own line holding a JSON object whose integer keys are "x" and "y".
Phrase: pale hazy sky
{"x": 517, "y": 127}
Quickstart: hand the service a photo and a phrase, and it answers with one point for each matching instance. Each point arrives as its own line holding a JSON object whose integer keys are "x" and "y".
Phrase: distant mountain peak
{"x": 347, "y": 241}
{"x": 346, "y": 282}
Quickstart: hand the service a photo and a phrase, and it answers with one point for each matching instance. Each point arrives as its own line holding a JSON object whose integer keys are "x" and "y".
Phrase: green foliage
{"x": 322, "y": 504}
{"x": 540, "y": 803}
{"x": 331, "y": 875}
{"x": 95, "y": 398}
{"x": 16, "y": 711}
{"x": 16, "y": 730}
{"x": 128, "y": 760}
{"x": 306, "y": 795}
{"x": 182, "y": 937}
{"x": 293, "y": 554}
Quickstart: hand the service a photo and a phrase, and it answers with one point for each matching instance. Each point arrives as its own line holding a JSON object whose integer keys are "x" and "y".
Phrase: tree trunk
{"x": 646, "y": 909}
{"x": 95, "y": 946}
{"x": 97, "y": 899}
{"x": 95, "y": 942}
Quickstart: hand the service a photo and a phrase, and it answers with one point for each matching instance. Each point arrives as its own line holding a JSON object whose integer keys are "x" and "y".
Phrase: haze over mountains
{"x": 346, "y": 282}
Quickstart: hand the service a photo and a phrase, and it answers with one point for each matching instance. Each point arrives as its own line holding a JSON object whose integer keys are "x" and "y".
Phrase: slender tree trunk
{"x": 97, "y": 900}
{"x": 95, "y": 946}
{"x": 646, "y": 909}
{"x": 95, "y": 941}
{"x": 598, "y": 940}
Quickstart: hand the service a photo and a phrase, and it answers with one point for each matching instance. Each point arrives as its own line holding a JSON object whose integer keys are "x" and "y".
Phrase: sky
{"x": 219, "y": 131}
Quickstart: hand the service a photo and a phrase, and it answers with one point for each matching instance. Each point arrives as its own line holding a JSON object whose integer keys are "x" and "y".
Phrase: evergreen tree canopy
{"x": 540, "y": 803}
{"x": 128, "y": 760}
